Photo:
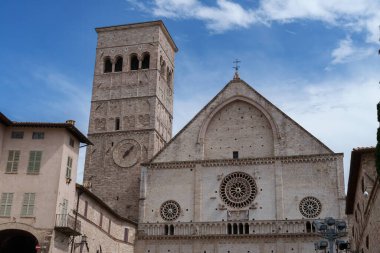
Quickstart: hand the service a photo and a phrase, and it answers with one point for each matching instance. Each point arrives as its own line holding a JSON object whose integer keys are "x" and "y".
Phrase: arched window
{"x": 134, "y": 62}
{"x": 171, "y": 230}
{"x": 107, "y": 65}
{"x": 235, "y": 229}
{"x": 229, "y": 229}
{"x": 119, "y": 64}
{"x": 166, "y": 230}
{"x": 169, "y": 77}
{"x": 308, "y": 227}
{"x": 163, "y": 65}
{"x": 246, "y": 228}
{"x": 241, "y": 228}
{"x": 145, "y": 61}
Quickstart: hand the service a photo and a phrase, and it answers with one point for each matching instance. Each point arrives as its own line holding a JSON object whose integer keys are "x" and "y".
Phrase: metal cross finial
{"x": 236, "y": 67}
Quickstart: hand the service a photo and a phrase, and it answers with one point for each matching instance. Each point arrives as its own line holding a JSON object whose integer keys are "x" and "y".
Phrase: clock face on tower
{"x": 126, "y": 153}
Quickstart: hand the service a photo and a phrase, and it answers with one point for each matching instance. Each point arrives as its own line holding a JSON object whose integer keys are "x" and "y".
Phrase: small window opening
{"x": 235, "y": 154}
{"x": 166, "y": 230}
{"x": 229, "y": 229}
{"x": 134, "y": 62}
{"x": 119, "y": 64}
{"x": 71, "y": 142}
{"x": 117, "y": 124}
{"x": 308, "y": 227}
{"x": 107, "y": 65}
{"x": 145, "y": 62}
{"x": 235, "y": 229}
{"x": 241, "y": 229}
{"x": 246, "y": 228}
{"x": 171, "y": 230}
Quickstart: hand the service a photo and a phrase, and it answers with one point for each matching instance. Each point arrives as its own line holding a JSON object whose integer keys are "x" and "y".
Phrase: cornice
{"x": 245, "y": 161}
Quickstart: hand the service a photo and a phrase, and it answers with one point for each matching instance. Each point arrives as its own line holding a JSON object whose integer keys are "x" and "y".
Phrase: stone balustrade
{"x": 261, "y": 228}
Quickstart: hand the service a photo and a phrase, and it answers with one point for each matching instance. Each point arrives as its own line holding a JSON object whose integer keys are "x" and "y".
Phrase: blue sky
{"x": 316, "y": 60}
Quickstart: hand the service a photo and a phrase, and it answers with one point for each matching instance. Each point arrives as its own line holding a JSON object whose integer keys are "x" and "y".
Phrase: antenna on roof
{"x": 236, "y": 67}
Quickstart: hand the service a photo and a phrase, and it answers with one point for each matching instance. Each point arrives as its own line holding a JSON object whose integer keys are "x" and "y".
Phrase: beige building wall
{"x": 50, "y": 185}
{"x": 363, "y": 201}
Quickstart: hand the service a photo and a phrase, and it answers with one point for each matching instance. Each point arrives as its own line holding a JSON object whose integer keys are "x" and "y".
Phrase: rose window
{"x": 310, "y": 207}
{"x": 238, "y": 189}
{"x": 170, "y": 210}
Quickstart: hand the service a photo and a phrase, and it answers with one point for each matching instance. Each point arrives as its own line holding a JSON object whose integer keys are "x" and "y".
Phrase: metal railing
{"x": 67, "y": 222}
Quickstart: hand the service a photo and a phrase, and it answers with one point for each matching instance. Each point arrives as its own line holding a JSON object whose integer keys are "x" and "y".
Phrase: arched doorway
{"x": 14, "y": 240}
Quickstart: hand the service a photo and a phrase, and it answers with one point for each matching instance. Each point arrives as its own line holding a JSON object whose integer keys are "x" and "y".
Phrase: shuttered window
{"x": 28, "y": 204}
{"x": 6, "y": 204}
{"x": 34, "y": 162}
{"x": 69, "y": 167}
{"x": 13, "y": 159}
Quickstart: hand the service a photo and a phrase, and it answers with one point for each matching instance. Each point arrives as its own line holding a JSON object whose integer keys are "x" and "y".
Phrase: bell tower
{"x": 131, "y": 109}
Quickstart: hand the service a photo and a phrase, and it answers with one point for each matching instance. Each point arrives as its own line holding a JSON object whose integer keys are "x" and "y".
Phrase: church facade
{"x": 241, "y": 176}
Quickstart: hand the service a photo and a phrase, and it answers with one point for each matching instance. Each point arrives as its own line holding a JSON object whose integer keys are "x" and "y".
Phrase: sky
{"x": 316, "y": 60}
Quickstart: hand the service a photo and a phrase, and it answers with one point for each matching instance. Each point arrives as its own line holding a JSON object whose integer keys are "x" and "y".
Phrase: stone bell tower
{"x": 131, "y": 109}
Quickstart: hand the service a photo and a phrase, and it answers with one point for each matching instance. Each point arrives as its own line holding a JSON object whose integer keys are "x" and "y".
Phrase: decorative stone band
{"x": 268, "y": 228}
{"x": 244, "y": 161}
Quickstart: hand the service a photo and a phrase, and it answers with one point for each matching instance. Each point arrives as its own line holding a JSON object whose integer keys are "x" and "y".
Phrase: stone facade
{"x": 363, "y": 201}
{"x": 131, "y": 109}
{"x": 241, "y": 176}
{"x": 238, "y": 138}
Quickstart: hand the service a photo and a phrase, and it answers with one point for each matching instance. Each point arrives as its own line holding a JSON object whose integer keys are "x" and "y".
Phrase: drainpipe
{"x": 76, "y": 219}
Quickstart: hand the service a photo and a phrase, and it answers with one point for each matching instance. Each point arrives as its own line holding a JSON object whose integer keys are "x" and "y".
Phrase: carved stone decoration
{"x": 310, "y": 207}
{"x": 238, "y": 189}
{"x": 144, "y": 119}
{"x": 127, "y": 153}
{"x": 130, "y": 122}
{"x": 238, "y": 215}
{"x": 170, "y": 210}
{"x": 100, "y": 124}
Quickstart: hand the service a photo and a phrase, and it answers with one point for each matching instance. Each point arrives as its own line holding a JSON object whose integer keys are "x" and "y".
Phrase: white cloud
{"x": 352, "y": 15}
{"x": 347, "y": 52}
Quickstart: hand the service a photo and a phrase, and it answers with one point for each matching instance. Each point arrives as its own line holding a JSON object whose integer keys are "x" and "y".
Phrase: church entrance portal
{"x": 13, "y": 240}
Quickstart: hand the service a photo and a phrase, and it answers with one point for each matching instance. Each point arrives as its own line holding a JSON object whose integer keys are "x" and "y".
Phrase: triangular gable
{"x": 288, "y": 136}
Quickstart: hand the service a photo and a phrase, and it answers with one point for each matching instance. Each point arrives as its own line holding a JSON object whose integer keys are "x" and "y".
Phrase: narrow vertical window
{"x": 126, "y": 234}
{"x": 34, "y": 162}
{"x": 85, "y": 209}
{"x": 146, "y": 61}
{"x": 13, "y": 159}
{"x": 119, "y": 64}
{"x": 235, "y": 154}
{"x": 117, "y": 124}
{"x": 71, "y": 142}
{"x": 69, "y": 166}
{"x": 6, "y": 204}
{"x": 134, "y": 62}
{"x": 107, "y": 65}
{"x": 65, "y": 204}
{"x": 101, "y": 220}
{"x": 38, "y": 135}
{"x": 28, "y": 204}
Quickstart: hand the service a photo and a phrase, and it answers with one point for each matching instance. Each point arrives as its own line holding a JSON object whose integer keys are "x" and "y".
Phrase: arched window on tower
{"x": 145, "y": 61}
{"x": 163, "y": 66}
{"x": 169, "y": 77}
{"x": 107, "y": 65}
{"x": 134, "y": 62}
{"x": 119, "y": 64}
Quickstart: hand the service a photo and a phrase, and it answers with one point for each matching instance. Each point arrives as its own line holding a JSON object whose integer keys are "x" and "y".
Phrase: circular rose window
{"x": 238, "y": 189}
{"x": 170, "y": 210}
{"x": 310, "y": 207}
